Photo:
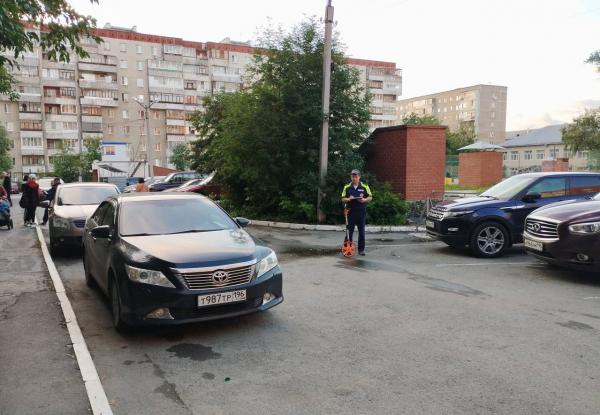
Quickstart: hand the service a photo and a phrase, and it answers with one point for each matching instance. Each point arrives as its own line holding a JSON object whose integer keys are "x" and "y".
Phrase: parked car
{"x": 493, "y": 221}
{"x": 174, "y": 180}
{"x": 45, "y": 183}
{"x": 172, "y": 258}
{"x": 204, "y": 186}
{"x": 567, "y": 235}
{"x": 72, "y": 205}
{"x": 148, "y": 181}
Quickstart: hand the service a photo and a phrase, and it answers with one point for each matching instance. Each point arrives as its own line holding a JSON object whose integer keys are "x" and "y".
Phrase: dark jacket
{"x": 6, "y": 184}
{"x": 31, "y": 196}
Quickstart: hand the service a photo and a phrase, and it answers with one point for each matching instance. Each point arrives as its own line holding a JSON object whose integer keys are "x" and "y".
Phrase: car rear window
{"x": 85, "y": 195}
{"x": 168, "y": 216}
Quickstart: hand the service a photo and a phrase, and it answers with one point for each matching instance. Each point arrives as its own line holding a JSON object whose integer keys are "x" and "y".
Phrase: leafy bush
{"x": 386, "y": 208}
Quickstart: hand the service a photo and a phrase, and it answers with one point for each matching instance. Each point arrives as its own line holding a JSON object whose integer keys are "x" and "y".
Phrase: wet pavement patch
{"x": 196, "y": 352}
{"x": 575, "y": 325}
{"x": 168, "y": 390}
{"x": 208, "y": 376}
{"x": 438, "y": 284}
{"x": 128, "y": 362}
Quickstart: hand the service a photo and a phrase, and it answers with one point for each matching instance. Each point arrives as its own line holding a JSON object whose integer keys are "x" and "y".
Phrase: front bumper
{"x": 564, "y": 251}
{"x": 453, "y": 231}
{"x": 143, "y": 299}
{"x": 70, "y": 235}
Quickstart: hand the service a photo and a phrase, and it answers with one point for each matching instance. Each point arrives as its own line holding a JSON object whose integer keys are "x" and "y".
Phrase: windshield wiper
{"x": 194, "y": 231}
{"x": 141, "y": 234}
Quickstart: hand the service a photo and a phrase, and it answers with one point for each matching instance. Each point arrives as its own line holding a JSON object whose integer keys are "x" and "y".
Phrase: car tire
{"x": 489, "y": 240}
{"x": 115, "y": 307}
{"x": 89, "y": 280}
{"x": 54, "y": 247}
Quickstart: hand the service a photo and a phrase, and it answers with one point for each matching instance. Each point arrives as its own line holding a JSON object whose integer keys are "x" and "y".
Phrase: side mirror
{"x": 531, "y": 197}
{"x": 243, "y": 222}
{"x": 45, "y": 204}
{"x": 102, "y": 232}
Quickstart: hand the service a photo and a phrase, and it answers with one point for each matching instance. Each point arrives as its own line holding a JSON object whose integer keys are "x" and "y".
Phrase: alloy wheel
{"x": 490, "y": 240}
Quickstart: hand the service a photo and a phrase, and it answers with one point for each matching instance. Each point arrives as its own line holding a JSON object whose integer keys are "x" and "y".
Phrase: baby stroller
{"x": 5, "y": 219}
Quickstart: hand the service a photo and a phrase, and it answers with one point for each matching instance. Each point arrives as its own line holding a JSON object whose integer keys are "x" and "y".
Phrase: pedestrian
{"x": 6, "y": 183}
{"x": 356, "y": 195}
{"x": 50, "y": 197}
{"x": 30, "y": 199}
{"x": 141, "y": 186}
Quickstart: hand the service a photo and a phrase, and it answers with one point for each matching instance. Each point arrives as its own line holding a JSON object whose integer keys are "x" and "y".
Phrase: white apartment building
{"x": 96, "y": 96}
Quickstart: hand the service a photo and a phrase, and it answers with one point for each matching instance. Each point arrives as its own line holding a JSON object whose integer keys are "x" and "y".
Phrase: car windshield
{"x": 85, "y": 195}
{"x": 509, "y": 188}
{"x": 169, "y": 216}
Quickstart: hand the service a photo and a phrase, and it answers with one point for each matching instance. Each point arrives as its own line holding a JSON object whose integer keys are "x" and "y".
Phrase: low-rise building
{"x": 526, "y": 150}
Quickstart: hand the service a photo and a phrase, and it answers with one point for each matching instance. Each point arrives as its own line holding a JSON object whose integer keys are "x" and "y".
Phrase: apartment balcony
{"x": 113, "y": 86}
{"x": 26, "y": 80}
{"x": 23, "y": 97}
{"x": 61, "y": 117}
{"x": 91, "y": 127}
{"x": 58, "y": 65}
{"x": 60, "y": 100}
{"x": 32, "y": 151}
{"x": 98, "y": 67}
{"x": 91, "y": 118}
{"x": 99, "y": 102}
{"x": 33, "y": 168}
{"x": 61, "y": 134}
{"x": 98, "y": 135}
{"x": 196, "y": 76}
{"x": 165, "y": 90}
{"x": 225, "y": 77}
{"x": 175, "y": 122}
{"x": 30, "y": 116}
{"x": 70, "y": 83}
{"x": 168, "y": 106}
{"x": 31, "y": 134}
{"x": 384, "y": 117}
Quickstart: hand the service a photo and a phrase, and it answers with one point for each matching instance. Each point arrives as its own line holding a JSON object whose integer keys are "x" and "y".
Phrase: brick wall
{"x": 411, "y": 158}
{"x": 481, "y": 168}
{"x": 561, "y": 164}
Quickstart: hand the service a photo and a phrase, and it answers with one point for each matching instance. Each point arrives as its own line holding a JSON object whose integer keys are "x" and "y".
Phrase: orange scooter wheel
{"x": 348, "y": 249}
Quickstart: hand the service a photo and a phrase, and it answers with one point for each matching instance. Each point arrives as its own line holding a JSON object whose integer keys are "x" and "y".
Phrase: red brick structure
{"x": 479, "y": 168}
{"x": 162, "y": 171}
{"x": 411, "y": 158}
{"x": 560, "y": 164}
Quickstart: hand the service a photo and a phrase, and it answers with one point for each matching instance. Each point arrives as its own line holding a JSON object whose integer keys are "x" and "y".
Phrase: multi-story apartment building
{"x": 97, "y": 96}
{"x": 480, "y": 107}
{"x": 526, "y": 150}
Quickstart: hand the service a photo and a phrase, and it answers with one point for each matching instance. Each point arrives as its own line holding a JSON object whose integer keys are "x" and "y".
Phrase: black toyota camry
{"x": 171, "y": 258}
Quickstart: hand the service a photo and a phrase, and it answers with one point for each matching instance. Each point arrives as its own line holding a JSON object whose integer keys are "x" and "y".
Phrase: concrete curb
{"x": 338, "y": 228}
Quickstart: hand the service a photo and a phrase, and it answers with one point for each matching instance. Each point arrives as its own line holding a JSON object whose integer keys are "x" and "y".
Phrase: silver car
{"x": 72, "y": 205}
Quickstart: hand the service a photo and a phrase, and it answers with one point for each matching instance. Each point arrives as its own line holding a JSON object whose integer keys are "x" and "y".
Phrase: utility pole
{"x": 79, "y": 117}
{"x": 149, "y": 137}
{"x": 325, "y": 119}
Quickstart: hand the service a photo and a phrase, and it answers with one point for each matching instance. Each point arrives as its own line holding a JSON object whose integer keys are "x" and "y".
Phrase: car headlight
{"x": 266, "y": 264}
{"x": 61, "y": 223}
{"x": 148, "y": 276}
{"x": 456, "y": 213}
{"x": 585, "y": 228}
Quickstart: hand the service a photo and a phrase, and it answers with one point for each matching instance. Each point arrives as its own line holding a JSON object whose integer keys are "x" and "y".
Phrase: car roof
{"x": 86, "y": 184}
{"x": 132, "y": 197}
{"x": 559, "y": 173}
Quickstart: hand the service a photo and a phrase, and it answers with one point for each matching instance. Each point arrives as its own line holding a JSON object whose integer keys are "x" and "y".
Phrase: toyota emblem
{"x": 220, "y": 277}
{"x": 536, "y": 227}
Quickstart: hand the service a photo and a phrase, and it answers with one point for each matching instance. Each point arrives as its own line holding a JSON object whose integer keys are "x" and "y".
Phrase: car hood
{"x": 74, "y": 211}
{"x": 228, "y": 246}
{"x": 589, "y": 209}
{"x": 467, "y": 203}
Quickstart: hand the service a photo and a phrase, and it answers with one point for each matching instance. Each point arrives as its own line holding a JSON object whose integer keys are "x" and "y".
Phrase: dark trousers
{"x": 29, "y": 214}
{"x": 357, "y": 218}
{"x": 45, "y": 216}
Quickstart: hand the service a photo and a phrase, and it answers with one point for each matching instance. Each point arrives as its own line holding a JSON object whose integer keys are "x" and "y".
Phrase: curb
{"x": 338, "y": 228}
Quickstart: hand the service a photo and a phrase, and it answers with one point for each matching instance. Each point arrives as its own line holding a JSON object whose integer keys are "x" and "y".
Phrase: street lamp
{"x": 149, "y": 137}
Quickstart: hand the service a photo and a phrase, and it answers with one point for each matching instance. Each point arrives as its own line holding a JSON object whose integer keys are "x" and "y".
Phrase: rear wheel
{"x": 115, "y": 307}
{"x": 489, "y": 240}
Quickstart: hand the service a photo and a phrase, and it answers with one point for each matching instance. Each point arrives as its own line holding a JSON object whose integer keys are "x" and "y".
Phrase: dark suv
{"x": 174, "y": 180}
{"x": 493, "y": 221}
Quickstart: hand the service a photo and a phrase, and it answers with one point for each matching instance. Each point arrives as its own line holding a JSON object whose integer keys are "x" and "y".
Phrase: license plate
{"x": 221, "y": 298}
{"x": 536, "y": 246}
{"x": 430, "y": 224}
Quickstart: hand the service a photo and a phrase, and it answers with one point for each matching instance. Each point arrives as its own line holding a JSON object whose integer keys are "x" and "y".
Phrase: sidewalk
{"x": 38, "y": 370}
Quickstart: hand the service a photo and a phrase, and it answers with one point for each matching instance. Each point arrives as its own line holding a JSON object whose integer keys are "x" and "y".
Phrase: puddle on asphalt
{"x": 575, "y": 325}
{"x": 196, "y": 352}
{"x": 310, "y": 252}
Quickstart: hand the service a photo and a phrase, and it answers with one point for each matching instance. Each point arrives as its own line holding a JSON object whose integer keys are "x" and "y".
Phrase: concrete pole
{"x": 79, "y": 117}
{"x": 325, "y": 121}
{"x": 150, "y": 141}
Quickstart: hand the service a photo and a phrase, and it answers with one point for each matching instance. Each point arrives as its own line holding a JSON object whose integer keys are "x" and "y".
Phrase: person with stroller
{"x": 7, "y": 186}
{"x": 30, "y": 200}
{"x": 50, "y": 197}
{"x": 5, "y": 219}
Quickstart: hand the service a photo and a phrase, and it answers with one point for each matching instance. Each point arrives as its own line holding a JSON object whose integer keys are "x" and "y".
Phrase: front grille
{"x": 79, "y": 223}
{"x": 541, "y": 228}
{"x": 189, "y": 313}
{"x": 436, "y": 212}
{"x": 204, "y": 280}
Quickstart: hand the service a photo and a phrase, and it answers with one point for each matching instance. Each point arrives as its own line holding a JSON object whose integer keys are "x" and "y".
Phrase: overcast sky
{"x": 536, "y": 48}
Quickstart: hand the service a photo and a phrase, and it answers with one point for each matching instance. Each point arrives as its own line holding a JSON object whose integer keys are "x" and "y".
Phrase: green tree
{"x": 5, "y": 159}
{"x": 92, "y": 153}
{"x": 263, "y": 141}
{"x": 63, "y": 29}
{"x": 583, "y": 134}
{"x": 416, "y": 119}
{"x": 594, "y": 59}
{"x": 66, "y": 165}
{"x": 181, "y": 156}
{"x": 459, "y": 138}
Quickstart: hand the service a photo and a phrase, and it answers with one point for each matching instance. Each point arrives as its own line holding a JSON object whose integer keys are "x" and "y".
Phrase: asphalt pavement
{"x": 412, "y": 328}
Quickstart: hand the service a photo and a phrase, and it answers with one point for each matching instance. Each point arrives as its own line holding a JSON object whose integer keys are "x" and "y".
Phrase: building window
{"x": 514, "y": 155}
{"x": 124, "y": 81}
{"x": 6, "y": 108}
{"x": 189, "y": 85}
{"x": 157, "y": 147}
{"x": 106, "y": 45}
{"x": 109, "y": 150}
{"x": 123, "y": 47}
{"x": 124, "y": 96}
{"x": 156, "y": 115}
{"x": 528, "y": 155}
{"x": 138, "y": 49}
{"x": 111, "y": 113}
{"x": 233, "y": 58}
{"x": 155, "y": 51}
{"x": 140, "y": 82}
{"x": 142, "y": 130}
{"x": 504, "y": 156}
{"x": 125, "y": 113}
{"x": 156, "y": 130}
{"x": 126, "y": 129}
{"x": 109, "y": 129}
{"x": 553, "y": 154}
{"x": 123, "y": 64}
{"x": 493, "y": 115}
{"x": 140, "y": 66}
{"x": 540, "y": 154}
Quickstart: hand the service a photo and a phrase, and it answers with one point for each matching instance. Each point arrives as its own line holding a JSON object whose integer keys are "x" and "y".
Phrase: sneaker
{"x": 361, "y": 253}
